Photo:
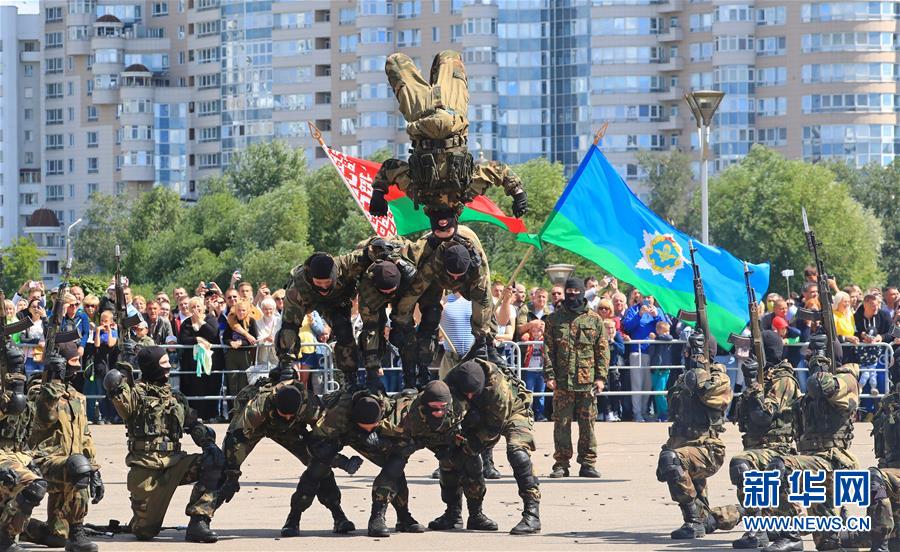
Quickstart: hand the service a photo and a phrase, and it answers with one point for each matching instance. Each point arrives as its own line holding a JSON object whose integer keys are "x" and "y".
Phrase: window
{"x": 292, "y": 75}
{"x": 208, "y": 160}
{"x": 456, "y": 32}
{"x": 347, "y": 43}
{"x": 480, "y": 54}
{"x": 91, "y": 113}
{"x": 29, "y": 136}
{"x": 375, "y": 91}
{"x": 53, "y": 90}
{"x": 29, "y": 70}
{"x": 208, "y": 55}
{"x": 850, "y": 42}
{"x": 625, "y": 54}
{"x": 771, "y": 46}
{"x": 206, "y": 28}
{"x": 53, "y": 141}
{"x": 160, "y": 8}
{"x": 851, "y": 103}
{"x": 701, "y": 51}
{"x": 29, "y": 157}
{"x": 731, "y": 43}
{"x": 409, "y": 9}
{"x": 771, "y": 107}
{"x": 348, "y": 127}
{"x": 700, "y": 22}
{"x": 210, "y": 80}
{"x": 209, "y": 107}
{"x": 435, "y": 34}
{"x": 137, "y": 132}
{"x": 53, "y": 66}
{"x": 92, "y": 188}
{"x": 106, "y": 55}
{"x": 850, "y": 11}
{"x": 28, "y": 113}
{"x": 53, "y": 167}
{"x": 71, "y": 166}
{"x": 376, "y": 35}
{"x": 849, "y": 72}
{"x": 292, "y": 47}
{"x": 78, "y": 32}
{"x": 92, "y": 141}
{"x": 375, "y": 7}
{"x": 409, "y": 38}
{"x": 628, "y": 25}
{"x": 733, "y": 12}
{"x": 53, "y": 15}
{"x": 771, "y": 76}
{"x": 53, "y": 40}
{"x": 770, "y": 16}
{"x": 481, "y": 26}
{"x": 93, "y": 165}
{"x": 628, "y": 113}
{"x": 54, "y": 192}
{"x": 349, "y": 97}
{"x": 54, "y": 116}
{"x": 208, "y": 134}
{"x": 349, "y": 70}
{"x": 347, "y": 16}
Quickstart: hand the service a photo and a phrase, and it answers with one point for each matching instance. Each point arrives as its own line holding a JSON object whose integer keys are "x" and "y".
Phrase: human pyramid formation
{"x": 45, "y": 442}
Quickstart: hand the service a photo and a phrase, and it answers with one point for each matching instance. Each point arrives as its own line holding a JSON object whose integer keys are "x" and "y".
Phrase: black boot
{"x": 450, "y": 519}
{"x": 477, "y": 520}
{"x": 291, "y": 527}
{"x": 406, "y": 523}
{"x": 78, "y": 541}
{"x": 409, "y": 377}
{"x": 559, "y": 472}
{"x": 785, "y": 542}
{"x": 342, "y": 525}
{"x": 38, "y": 532}
{"x": 488, "y": 469}
{"x": 377, "y": 525}
{"x": 423, "y": 378}
{"x": 373, "y": 381}
{"x": 751, "y": 540}
{"x": 198, "y": 530}
{"x": 8, "y": 543}
{"x": 531, "y": 519}
{"x": 589, "y": 471}
{"x": 694, "y": 526}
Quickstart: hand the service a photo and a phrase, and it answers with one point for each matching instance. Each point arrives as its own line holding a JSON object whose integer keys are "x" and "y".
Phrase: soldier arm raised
{"x": 495, "y": 173}
{"x": 125, "y": 400}
{"x": 841, "y": 389}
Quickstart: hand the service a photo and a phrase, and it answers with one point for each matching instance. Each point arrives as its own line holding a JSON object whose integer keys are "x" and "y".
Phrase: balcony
{"x": 138, "y": 173}
{"x": 672, "y": 35}
{"x": 672, "y": 64}
{"x": 672, "y": 123}
{"x": 30, "y": 57}
{"x": 673, "y": 94}
{"x": 671, "y": 6}
{"x": 105, "y": 96}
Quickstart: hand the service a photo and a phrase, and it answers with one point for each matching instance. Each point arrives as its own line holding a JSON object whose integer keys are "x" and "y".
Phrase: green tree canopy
{"x": 21, "y": 262}
{"x": 671, "y": 186}
{"x": 260, "y": 168}
{"x": 755, "y": 214}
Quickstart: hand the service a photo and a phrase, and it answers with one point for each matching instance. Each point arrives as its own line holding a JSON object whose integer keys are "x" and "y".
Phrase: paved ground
{"x": 625, "y": 510}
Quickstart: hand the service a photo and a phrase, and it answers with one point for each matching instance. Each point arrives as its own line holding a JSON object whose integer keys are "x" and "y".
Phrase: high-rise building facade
{"x": 129, "y": 94}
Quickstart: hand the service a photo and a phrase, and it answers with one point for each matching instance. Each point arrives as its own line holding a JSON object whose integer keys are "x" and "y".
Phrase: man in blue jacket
{"x": 639, "y": 322}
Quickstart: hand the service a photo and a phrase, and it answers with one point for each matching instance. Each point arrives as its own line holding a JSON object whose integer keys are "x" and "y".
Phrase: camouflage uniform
{"x": 884, "y": 506}
{"x": 440, "y": 172}
{"x": 255, "y": 417}
{"x": 576, "y": 354}
{"x": 15, "y": 456}
{"x": 694, "y": 452}
{"x": 427, "y": 291}
{"x": 156, "y": 417}
{"x": 60, "y": 430}
{"x": 823, "y": 427}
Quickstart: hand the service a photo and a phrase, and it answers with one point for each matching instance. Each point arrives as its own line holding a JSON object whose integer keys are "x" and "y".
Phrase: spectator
{"x": 199, "y": 326}
{"x": 496, "y": 292}
{"x": 791, "y": 308}
{"x": 159, "y": 328}
{"x": 106, "y": 336}
{"x": 536, "y": 310}
{"x": 268, "y": 327}
{"x": 240, "y": 352}
{"x": 802, "y": 329}
{"x": 162, "y": 296}
{"x": 660, "y": 355}
{"x": 33, "y": 337}
{"x": 591, "y": 292}
{"x": 519, "y": 296}
{"x": 610, "y": 407}
{"x": 779, "y": 309}
{"x": 310, "y": 355}
{"x": 891, "y": 295}
{"x": 91, "y": 306}
{"x": 810, "y": 274}
{"x": 78, "y": 292}
{"x": 75, "y": 320}
{"x": 533, "y": 364}
{"x": 639, "y": 322}
{"x": 141, "y": 335}
{"x": 245, "y": 293}
{"x": 457, "y": 330}
{"x": 165, "y": 311}
{"x": 10, "y": 311}
{"x": 178, "y": 294}
{"x": 781, "y": 327}
{"x": 872, "y": 326}
{"x": 278, "y": 296}
{"x": 810, "y": 291}
{"x": 855, "y": 294}
{"x": 620, "y": 305}
{"x": 184, "y": 310}
{"x": 605, "y": 310}
{"x": 557, "y": 294}
{"x": 843, "y": 318}
{"x": 140, "y": 304}
{"x": 21, "y": 305}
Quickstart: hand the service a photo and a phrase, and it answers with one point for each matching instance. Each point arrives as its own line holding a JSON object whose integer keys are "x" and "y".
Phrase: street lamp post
{"x": 69, "y": 236}
{"x": 559, "y": 273}
{"x": 703, "y": 104}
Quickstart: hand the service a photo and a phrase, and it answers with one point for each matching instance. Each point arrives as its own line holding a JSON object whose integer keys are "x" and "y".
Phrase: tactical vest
{"x": 158, "y": 423}
{"x": 691, "y": 418}
{"x": 779, "y": 431}
{"x": 886, "y": 431}
{"x": 821, "y": 426}
{"x": 16, "y": 430}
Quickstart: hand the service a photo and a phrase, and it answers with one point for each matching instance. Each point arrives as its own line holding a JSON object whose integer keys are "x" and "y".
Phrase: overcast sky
{"x": 25, "y": 6}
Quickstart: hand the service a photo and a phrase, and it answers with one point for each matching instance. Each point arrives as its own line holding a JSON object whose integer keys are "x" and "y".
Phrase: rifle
{"x": 7, "y": 330}
{"x": 123, "y": 321}
{"x": 825, "y": 316}
{"x": 755, "y": 341}
{"x": 51, "y": 340}
{"x": 699, "y": 315}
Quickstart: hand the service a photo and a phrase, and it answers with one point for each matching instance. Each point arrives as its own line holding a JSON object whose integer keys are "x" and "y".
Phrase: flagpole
{"x": 317, "y": 134}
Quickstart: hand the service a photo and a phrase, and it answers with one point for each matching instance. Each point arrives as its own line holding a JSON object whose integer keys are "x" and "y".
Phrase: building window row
{"x": 850, "y": 11}
{"x": 850, "y": 42}
{"x": 859, "y": 144}
{"x": 633, "y": 142}
{"x": 627, "y": 25}
{"x": 772, "y": 137}
{"x": 849, "y": 72}
{"x": 642, "y": 113}
{"x": 625, "y": 54}
{"x": 851, "y": 103}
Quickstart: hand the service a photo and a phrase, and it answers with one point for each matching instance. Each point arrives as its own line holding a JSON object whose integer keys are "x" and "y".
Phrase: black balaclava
{"x": 148, "y": 361}
{"x": 773, "y": 346}
{"x": 385, "y": 275}
{"x": 466, "y": 378}
{"x": 365, "y": 410}
{"x": 443, "y": 219}
{"x": 68, "y": 351}
{"x": 457, "y": 259}
{"x": 321, "y": 267}
{"x": 574, "y": 301}
{"x": 288, "y": 400}
{"x": 436, "y": 399}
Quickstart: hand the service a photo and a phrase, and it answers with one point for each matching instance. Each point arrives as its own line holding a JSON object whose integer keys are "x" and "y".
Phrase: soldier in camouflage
{"x": 439, "y": 173}
{"x": 380, "y": 286}
{"x": 884, "y": 503}
{"x": 694, "y": 452}
{"x": 282, "y": 411}
{"x": 498, "y": 404}
{"x": 21, "y": 486}
{"x": 764, "y": 415}
{"x": 64, "y": 452}
{"x": 156, "y": 416}
{"x": 576, "y": 360}
{"x": 823, "y": 427}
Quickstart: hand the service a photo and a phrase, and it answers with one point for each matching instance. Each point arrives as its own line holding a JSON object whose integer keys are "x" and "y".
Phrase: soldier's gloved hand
{"x": 350, "y": 465}
{"x": 55, "y": 367}
{"x": 13, "y": 404}
{"x": 230, "y": 486}
{"x": 697, "y": 344}
{"x": 129, "y": 350}
{"x": 751, "y": 371}
{"x": 378, "y": 206}
{"x": 15, "y": 360}
{"x": 695, "y": 379}
{"x": 520, "y": 204}
{"x": 8, "y": 477}
{"x": 822, "y": 384}
{"x": 96, "y": 486}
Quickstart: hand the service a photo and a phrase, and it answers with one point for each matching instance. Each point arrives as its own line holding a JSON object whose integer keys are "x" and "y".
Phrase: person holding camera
{"x": 639, "y": 322}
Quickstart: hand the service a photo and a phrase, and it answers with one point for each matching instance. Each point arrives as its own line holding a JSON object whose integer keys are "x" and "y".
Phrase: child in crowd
{"x": 660, "y": 355}
{"x": 610, "y": 407}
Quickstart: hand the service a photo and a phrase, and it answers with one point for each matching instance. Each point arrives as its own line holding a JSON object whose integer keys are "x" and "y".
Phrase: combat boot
{"x": 488, "y": 469}
{"x": 785, "y": 542}
{"x": 78, "y": 541}
{"x": 198, "y": 530}
{"x": 291, "y": 527}
{"x": 406, "y": 523}
{"x": 342, "y": 525}
{"x": 531, "y": 519}
{"x": 409, "y": 378}
{"x": 377, "y": 525}
{"x": 477, "y": 520}
{"x": 829, "y": 541}
{"x": 694, "y": 526}
{"x": 450, "y": 519}
{"x": 423, "y": 378}
{"x": 559, "y": 472}
{"x": 38, "y": 532}
{"x": 751, "y": 540}
{"x": 589, "y": 471}
{"x": 8, "y": 543}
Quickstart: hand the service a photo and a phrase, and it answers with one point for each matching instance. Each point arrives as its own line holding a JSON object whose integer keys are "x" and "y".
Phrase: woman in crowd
{"x": 240, "y": 341}
{"x": 33, "y": 337}
{"x": 140, "y": 304}
{"x": 105, "y": 338}
{"x": 268, "y": 327}
{"x": 198, "y": 326}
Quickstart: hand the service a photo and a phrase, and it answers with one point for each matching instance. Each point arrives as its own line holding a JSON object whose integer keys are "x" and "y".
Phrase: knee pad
{"x": 669, "y": 468}
{"x": 777, "y": 463}
{"x": 31, "y": 495}
{"x": 79, "y": 469}
{"x": 520, "y": 462}
{"x": 878, "y": 486}
{"x": 736, "y": 470}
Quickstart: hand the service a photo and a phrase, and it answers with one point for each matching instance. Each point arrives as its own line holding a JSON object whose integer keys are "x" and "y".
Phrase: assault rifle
{"x": 825, "y": 317}
{"x": 124, "y": 323}
{"x": 699, "y": 315}
{"x": 53, "y": 338}
{"x": 7, "y": 330}
{"x": 755, "y": 340}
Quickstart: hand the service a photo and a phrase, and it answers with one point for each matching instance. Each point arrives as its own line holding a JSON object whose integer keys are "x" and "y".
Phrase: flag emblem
{"x": 661, "y": 255}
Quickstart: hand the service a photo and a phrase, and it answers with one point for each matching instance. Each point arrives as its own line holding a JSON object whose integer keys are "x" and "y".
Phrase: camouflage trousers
{"x": 66, "y": 505}
{"x": 12, "y": 518}
{"x": 152, "y": 490}
{"x": 461, "y": 475}
{"x": 828, "y": 461}
{"x": 346, "y": 352}
{"x": 884, "y": 511}
{"x": 582, "y": 407}
{"x": 518, "y": 430}
{"x": 729, "y": 516}
{"x": 436, "y": 108}
{"x": 701, "y": 459}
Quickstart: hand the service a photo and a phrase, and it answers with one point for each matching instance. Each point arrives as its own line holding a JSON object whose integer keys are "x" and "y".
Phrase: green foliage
{"x": 263, "y": 167}
{"x": 671, "y": 186}
{"x": 20, "y": 264}
{"x": 338, "y": 223}
{"x": 95, "y": 284}
{"x": 878, "y": 188}
{"x": 755, "y": 214}
{"x": 105, "y": 225}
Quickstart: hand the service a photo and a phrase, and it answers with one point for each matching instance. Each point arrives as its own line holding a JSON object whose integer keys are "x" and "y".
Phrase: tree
{"x": 671, "y": 186}
{"x": 260, "y": 168}
{"x": 21, "y": 262}
{"x": 755, "y": 214}
{"x": 106, "y": 224}
{"x": 878, "y": 188}
{"x": 338, "y": 223}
